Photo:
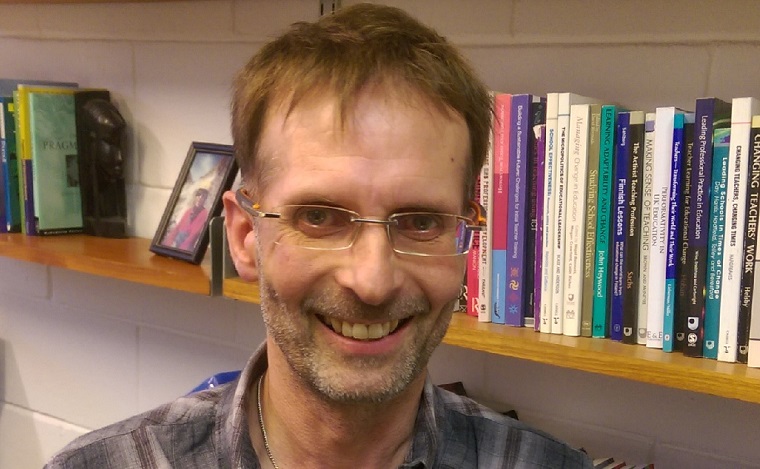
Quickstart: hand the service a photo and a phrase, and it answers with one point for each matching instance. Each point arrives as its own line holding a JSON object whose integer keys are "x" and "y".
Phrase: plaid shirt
{"x": 209, "y": 429}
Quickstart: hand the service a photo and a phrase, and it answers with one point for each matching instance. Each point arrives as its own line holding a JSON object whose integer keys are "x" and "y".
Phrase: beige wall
{"x": 78, "y": 352}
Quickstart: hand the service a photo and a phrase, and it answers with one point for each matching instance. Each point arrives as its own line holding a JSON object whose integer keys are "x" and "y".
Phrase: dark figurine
{"x": 101, "y": 131}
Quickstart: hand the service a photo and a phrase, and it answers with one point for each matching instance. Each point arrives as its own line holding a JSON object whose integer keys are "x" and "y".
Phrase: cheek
{"x": 443, "y": 281}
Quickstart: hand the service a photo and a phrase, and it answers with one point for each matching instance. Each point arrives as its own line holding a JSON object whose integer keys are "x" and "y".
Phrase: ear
{"x": 241, "y": 238}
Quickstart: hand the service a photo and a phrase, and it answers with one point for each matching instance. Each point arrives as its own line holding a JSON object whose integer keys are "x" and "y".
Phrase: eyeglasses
{"x": 326, "y": 228}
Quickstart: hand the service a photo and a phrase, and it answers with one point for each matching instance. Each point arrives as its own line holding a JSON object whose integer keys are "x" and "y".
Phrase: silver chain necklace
{"x": 261, "y": 424}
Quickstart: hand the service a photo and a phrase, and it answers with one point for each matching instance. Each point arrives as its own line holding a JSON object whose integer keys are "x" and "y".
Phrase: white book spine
{"x": 560, "y": 199}
{"x": 547, "y": 270}
{"x": 484, "y": 273}
{"x": 742, "y": 110}
{"x": 646, "y": 228}
{"x": 577, "y": 168}
{"x": 663, "y": 148}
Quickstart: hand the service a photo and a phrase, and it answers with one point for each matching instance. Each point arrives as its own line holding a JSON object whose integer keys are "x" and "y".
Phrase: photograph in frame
{"x": 209, "y": 170}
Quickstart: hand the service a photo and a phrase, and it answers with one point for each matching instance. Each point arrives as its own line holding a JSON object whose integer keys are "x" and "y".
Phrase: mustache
{"x": 344, "y": 305}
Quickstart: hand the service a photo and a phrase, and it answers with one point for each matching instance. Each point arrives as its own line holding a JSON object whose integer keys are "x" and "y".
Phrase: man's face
{"x": 391, "y": 156}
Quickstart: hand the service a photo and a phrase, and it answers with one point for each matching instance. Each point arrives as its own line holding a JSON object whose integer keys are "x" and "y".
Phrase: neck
{"x": 306, "y": 431}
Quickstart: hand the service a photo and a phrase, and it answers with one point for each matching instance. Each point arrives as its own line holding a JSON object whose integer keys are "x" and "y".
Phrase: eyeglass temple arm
{"x": 478, "y": 218}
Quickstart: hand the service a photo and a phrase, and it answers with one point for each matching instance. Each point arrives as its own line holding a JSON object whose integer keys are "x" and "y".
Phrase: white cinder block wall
{"x": 78, "y": 352}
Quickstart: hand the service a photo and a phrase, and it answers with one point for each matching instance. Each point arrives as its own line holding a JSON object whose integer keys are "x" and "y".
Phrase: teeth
{"x": 363, "y": 331}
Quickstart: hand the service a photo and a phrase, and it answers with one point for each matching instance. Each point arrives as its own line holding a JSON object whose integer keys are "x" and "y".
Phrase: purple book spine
{"x": 539, "y": 132}
{"x": 620, "y": 228}
{"x": 30, "y": 219}
{"x": 517, "y": 220}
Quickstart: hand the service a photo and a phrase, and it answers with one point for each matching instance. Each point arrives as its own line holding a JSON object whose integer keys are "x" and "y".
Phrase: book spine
{"x": 674, "y": 237}
{"x": 547, "y": 255}
{"x": 533, "y": 264}
{"x": 484, "y": 273}
{"x": 473, "y": 267}
{"x": 577, "y": 164}
{"x": 499, "y": 235}
{"x": 539, "y": 132}
{"x": 742, "y": 110}
{"x": 560, "y": 207}
{"x": 633, "y": 229}
{"x": 604, "y": 216}
{"x": 26, "y": 180}
{"x": 592, "y": 195}
{"x": 4, "y": 206}
{"x": 753, "y": 352}
{"x": 620, "y": 226}
{"x": 750, "y": 246}
{"x": 683, "y": 269}
{"x": 10, "y": 156}
{"x": 663, "y": 148}
{"x": 517, "y": 220}
{"x": 646, "y": 229}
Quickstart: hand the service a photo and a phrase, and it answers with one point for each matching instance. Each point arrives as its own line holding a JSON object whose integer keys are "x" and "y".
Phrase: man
{"x": 186, "y": 232}
{"x": 359, "y": 139}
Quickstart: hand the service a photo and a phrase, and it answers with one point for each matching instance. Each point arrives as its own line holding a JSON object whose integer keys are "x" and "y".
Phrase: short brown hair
{"x": 341, "y": 54}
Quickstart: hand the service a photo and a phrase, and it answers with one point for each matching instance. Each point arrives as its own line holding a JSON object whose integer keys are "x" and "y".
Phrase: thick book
{"x": 539, "y": 134}
{"x": 575, "y": 218}
{"x": 674, "y": 236}
{"x": 683, "y": 277}
{"x": 753, "y": 353}
{"x": 663, "y": 157}
{"x": 600, "y": 313}
{"x": 709, "y": 114}
{"x": 636, "y": 137}
{"x": 717, "y": 228}
{"x": 619, "y": 225}
{"x": 645, "y": 241}
{"x": 55, "y": 168}
{"x": 500, "y": 235}
{"x": 518, "y": 210}
{"x": 547, "y": 254}
{"x": 742, "y": 110}
{"x": 484, "y": 271}
{"x": 751, "y": 215}
{"x": 559, "y": 196}
{"x": 592, "y": 195}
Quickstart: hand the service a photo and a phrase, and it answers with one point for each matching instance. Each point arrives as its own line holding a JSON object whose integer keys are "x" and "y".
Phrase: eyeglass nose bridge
{"x": 373, "y": 221}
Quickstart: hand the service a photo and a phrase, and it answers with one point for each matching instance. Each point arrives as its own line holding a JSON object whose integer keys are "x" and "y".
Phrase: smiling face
{"x": 359, "y": 324}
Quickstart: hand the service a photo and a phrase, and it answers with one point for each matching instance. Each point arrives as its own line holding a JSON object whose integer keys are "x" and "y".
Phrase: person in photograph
{"x": 184, "y": 235}
{"x": 360, "y": 138}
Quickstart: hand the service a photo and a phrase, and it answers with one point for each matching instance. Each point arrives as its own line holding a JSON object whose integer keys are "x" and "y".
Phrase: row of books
{"x": 615, "y": 223}
{"x": 39, "y": 171}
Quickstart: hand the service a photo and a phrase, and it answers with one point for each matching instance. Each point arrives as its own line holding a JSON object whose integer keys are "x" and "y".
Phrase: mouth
{"x": 358, "y": 331}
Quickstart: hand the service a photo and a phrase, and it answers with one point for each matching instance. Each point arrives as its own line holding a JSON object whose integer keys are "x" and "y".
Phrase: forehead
{"x": 389, "y": 146}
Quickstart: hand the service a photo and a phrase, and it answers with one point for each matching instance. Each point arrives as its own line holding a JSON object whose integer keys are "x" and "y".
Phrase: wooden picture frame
{"x": 209, "y": 170}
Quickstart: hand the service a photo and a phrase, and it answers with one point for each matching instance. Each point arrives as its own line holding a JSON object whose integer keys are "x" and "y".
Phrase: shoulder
{"x": 470, "y": 431}
{"x": 164, "y": 432}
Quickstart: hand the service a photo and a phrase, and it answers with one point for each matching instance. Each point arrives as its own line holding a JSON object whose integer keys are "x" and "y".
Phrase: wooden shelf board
{"x": 238, "y": 289}
{"x": 607, "y": 357}
{"x": 125, "y": 259}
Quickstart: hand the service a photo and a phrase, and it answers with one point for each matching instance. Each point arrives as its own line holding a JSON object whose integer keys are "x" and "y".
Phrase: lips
{"x": 361, "y": 331}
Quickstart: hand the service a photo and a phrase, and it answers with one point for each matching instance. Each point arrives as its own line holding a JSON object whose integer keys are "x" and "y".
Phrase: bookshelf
{"x": 130, "y": 260}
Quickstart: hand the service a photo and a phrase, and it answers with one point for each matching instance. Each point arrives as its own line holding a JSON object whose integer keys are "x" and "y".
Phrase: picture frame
{"x": 183, "y": 233}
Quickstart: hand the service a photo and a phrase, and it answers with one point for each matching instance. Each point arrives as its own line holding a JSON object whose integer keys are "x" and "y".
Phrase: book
{"x": 607, "y": 129}
{"x": 539, "y": 132}
{"x": 518, "y": 215}
{"x": 646, "y": 228}
{"x": 592, "y": 195}
{"x": 717, "y": 229}
{"x": 710, "y": 114}
{"x": 547, "y": 254}
{"x": 533, "y": 265}
{"x": 749, "y": 275}
{"x": 565, "y": 100}
{"x": 10, "y": 221}
{"x": 753, "y": 352}
{"x": 663, "y": 156}
{"x": 473, "y": 267}
{"x": 484, "y": 269}
{"x": 55, "y": 168}
{"x": 632, "y": 256}
{"x": 683, "y": 276}
{"x": 673, "y": 234}
{"x": 577, "y": 175}
{"x": 742, "y": 110}
{"x": 499, "y": 203}
{"x": 619, "y": 225}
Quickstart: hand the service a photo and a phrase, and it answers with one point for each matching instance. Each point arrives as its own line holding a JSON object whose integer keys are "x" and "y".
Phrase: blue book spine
{"x": 600, "y": 312}
{"x": 674, "y": 235}
{"x": 518, "y": 206}
{"x": 620, "y": 226}
{"x": 10, "y": 166}
{"x": 715, "y": 241}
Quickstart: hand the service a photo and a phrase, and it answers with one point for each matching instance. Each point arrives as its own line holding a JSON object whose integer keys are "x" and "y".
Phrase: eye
{"x": 420, "y": 226}
{"x": 317, "y": 221}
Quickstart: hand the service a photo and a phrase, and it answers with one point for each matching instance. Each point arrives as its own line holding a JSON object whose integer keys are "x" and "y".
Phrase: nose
{"x": 371, "y": 268}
